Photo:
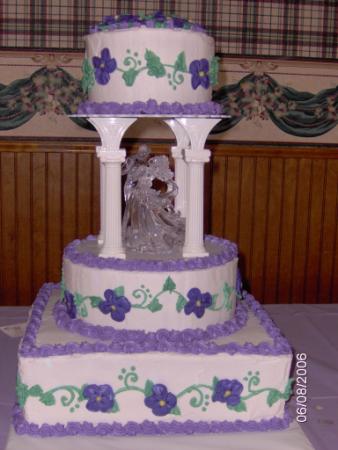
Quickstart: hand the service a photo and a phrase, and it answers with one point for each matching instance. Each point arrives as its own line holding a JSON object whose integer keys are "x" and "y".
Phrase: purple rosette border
{"x": 140, "y": 341}
{"x": 150, "y": 107}
{"x": 148, "y": 428}
{"x": 227, "y": 251}
{"x": 129, "y": 341}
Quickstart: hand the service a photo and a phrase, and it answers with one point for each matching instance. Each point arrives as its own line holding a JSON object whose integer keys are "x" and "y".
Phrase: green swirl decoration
{"x": 199, "y": 395}
{"x": 146, "y": 300}
{"x": 132, "y": 65}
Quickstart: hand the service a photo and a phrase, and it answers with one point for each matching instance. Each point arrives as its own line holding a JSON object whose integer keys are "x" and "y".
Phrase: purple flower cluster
{"x": 100, "y": 397}
{"x": 151, "y": 107}
{"x": 228, "y": 391}
{"x": 199, "y": 70}
{"x": 68, "y": 300}
{"x": 116, "y": 306}
{"x": 161, "y": 402}
{"x": 104, "y": 65}
{"x": 156, "y": 20}
{"x": 197, "y": 303}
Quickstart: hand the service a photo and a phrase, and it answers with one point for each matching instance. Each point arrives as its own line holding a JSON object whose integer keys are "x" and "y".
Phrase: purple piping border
{"x": 161, "y": 340}
{"x": 150, "y": 107}
{"x": 136, "y": 341}
{"x": 227, "y": 252}
{"x": 147, "y": 427}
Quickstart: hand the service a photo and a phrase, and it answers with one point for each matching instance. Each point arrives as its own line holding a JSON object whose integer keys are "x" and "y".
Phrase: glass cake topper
{"x": 150, "y": 223}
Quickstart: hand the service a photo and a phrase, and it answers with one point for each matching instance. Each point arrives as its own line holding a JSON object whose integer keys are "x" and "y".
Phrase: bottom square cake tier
{"x": 68, "y": 384}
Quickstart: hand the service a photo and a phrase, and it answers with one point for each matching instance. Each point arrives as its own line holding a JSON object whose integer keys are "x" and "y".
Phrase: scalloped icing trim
{"x": 228, "y": 251}
{"x": 188, "y": 342}
{"x": 151, "y": 107}
{"x": 22, "y": 426}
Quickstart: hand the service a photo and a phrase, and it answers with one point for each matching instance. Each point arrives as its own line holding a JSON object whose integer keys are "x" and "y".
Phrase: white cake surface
{"x": 130, "y": 48}
{"x": 59, "y": 381}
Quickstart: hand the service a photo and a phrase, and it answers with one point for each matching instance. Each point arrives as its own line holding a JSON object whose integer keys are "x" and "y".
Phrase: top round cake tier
{"x": 139, "y": 64}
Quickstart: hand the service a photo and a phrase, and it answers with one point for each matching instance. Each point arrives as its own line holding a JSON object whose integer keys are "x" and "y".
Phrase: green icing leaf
{"x": 214, "y": 382}
{"x": 154, "y": 65}
{"x": 169, "y": 285}
{"x": 180, "y": 63}
{"x": 241, "y": 406}
{"x": 176, "y": 411}
{"x": 78, "y": 299}
{"x": 214, "y": 300}
{"x": 83, "y": 311}
{"x": 21, "y": 392}
{"x": 47, "y": 399}
{"x": 95, "y": 301}
{"x": 213, "y": 71}
{"x": 88, "y": 80}
{"x": 180, "y": 304}
{"x": 273, "y": 397}
{"x": 119, "y": 291}
{"x": 129, "y": 76}
{"x": 155, "y": 306}
{"x": 288, "y": 389}
{"x": 115, "y": 407}
{"x": 148, "y": 388}
{"x": 81, "y": 397}
{"x": 35, "y": 391}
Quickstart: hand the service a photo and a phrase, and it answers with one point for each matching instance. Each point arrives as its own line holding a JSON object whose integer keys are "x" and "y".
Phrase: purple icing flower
{"x": 162, "y": 401}
{"x": 228, "y": 391}
{"x": 100, "y": 397}
{"x": 116, "y": 306}
{"x": 198, "y": 302}
{"x": 104, "y": 66}
{"x": 199, "y": 70}
{"x": 68, "y": 300}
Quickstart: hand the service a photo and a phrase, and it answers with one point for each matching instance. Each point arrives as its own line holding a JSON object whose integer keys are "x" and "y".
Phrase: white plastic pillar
{"x": 197, "y": 129}
{"x": 182, "y": 143}
{"x": 112, "y": 230}
{"x": 111, "y": 131}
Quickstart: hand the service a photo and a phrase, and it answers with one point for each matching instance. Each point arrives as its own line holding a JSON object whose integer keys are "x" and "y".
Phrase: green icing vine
{"x": 201, "y": 395}
{"x": 146, "y": 300}
{"x": 133, "y": 65}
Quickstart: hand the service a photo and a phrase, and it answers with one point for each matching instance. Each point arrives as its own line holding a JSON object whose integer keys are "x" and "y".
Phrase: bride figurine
{"x": 150, "y": 224}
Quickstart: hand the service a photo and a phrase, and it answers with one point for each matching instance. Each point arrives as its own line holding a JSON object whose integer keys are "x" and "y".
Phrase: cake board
{"x": 293, "y": 438}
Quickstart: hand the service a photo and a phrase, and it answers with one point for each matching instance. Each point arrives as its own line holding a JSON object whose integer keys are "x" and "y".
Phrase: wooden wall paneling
{"x": 259, "y": 232}
{"x": 54, "y": 216}
{"x": 232, "y": 198}
{"x": 218, "y": 195}
{"x": 23, "y": 227}
{"x": 286, "y": 243}
{"x": 84, "y": 183}
{"x": 69, "y": 197}
{"x": 315, "y": 231}
{"x": 8, "y": 292}
{"x": 327, "y": 288}
{"x": 301, "y": 230}
{"x": 273, "y": 224}
{"x": 39, "y": 222}
{"x": 245, "y": 207}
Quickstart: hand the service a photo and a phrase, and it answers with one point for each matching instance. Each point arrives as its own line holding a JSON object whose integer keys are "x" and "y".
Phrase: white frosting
{"x": 90, "y": 281}
{"x": 49, "y": 333}
{"x": 167, "y": 44}
{"x": 176, "y": 371}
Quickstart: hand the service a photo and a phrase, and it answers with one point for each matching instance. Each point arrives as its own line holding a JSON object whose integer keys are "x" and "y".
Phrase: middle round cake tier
{"x": 147, "y": 295}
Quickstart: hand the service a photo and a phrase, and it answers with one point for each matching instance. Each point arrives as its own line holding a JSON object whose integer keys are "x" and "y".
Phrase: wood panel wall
{"x": 279, "y": 203}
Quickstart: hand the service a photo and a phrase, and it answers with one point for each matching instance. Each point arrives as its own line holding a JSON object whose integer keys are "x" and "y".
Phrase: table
{"x": 311, "y": 329}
